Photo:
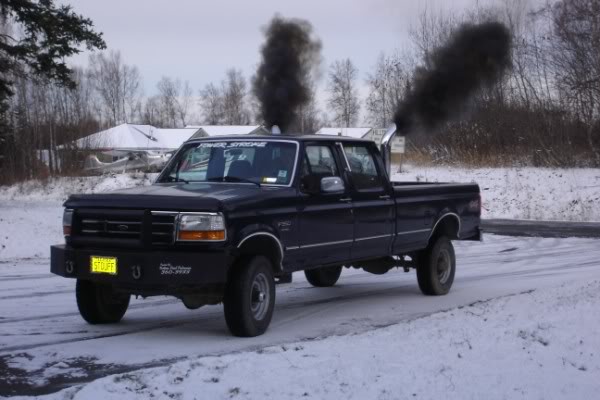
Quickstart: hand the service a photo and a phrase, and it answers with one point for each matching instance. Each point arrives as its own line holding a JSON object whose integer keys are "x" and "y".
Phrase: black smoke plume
{"x": 281, "y": 84}
{"x": 476, "y": 56}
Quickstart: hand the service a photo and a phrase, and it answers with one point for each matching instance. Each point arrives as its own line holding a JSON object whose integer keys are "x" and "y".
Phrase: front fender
{"x": 243, "y": 233}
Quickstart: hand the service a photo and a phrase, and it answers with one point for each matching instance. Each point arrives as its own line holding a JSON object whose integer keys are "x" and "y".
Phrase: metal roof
{"x": 136, "y": 137}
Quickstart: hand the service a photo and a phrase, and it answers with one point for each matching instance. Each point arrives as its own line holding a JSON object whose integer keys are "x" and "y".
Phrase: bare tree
{"x": 387, "y": 86}
{"x": 432, "y": 29}
{"x": 152, "y": 112}
{"x": 228, "y": 103}
{"x": 343, "y": 93}
{"x": 118, "y": 85}
{"x": 185, "y": 104}
{"x": 577, "y": 54}
{"x": 234, "y": 91}
{"x": 168, "y": 92}
{"x": 175, "y": 100}
{"x": 211, "y": 104}
{"x": 576, "y": 57}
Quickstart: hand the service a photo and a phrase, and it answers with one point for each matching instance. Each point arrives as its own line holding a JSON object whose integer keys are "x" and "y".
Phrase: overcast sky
{"x": 198, "y": 40}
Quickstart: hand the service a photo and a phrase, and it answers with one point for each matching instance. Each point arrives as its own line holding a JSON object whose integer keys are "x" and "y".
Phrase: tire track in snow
{"x": 76, "y": 314}
{"x": 332, "y": 300}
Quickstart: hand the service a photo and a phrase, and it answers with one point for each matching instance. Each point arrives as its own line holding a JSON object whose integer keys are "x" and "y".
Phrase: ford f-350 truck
{"x": 228, "y": 215}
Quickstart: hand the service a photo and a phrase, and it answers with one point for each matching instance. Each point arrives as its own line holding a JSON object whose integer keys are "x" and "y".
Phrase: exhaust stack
{"x": 386, "y": 148}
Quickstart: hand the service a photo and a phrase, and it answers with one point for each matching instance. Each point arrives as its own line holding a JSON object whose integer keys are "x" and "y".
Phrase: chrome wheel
{"x": 260, "y": 296}
{"x": 444, "y": 266}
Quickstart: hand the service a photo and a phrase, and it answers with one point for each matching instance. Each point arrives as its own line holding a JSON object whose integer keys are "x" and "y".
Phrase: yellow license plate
{"x": 103, "y": 265}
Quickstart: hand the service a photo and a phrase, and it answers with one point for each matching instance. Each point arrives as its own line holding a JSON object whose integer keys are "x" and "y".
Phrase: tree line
{"x": 544, "y": 112}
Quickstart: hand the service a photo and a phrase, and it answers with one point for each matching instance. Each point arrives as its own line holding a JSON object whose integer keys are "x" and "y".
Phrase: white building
{"x": 130, "y": 137}
{"x": 226, "y": 130}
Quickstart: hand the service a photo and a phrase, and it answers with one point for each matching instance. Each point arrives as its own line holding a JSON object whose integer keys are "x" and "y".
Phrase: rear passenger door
{"x": 373, "y": 205}
{"x": 326, "y": 220}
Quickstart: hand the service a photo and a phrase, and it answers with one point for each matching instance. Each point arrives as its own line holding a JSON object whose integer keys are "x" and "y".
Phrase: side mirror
{"x": 332, "y": 184}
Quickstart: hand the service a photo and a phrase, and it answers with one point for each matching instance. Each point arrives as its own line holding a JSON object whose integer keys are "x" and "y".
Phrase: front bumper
{"x": 141, "y": 268}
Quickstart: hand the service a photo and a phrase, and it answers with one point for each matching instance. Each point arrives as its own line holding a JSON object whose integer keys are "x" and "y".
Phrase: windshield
{"x": 251, "y": 161}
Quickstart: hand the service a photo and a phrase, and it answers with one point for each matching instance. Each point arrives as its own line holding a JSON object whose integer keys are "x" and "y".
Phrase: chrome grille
{"x": 125, "y": 227}
{"x": 111, "y": 226}
{"x": 163, "y": 226}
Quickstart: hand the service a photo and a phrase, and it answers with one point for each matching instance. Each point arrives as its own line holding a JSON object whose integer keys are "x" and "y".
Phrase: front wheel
{"x": 324, "y": 276}
{"x": 98, "y": 303}
{"x": 436, "y": 266}
{"x": 250, "y": 297}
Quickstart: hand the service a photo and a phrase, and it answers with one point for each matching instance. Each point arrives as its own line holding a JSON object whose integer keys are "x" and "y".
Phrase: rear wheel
{"x": 98, "y": 303}
{"x": 250, "y": 297}
{"x": 436, "y": 267}
{"x": 324, "y": 276}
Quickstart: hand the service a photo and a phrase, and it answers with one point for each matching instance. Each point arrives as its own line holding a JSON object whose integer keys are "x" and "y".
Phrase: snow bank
{"x": 571, "y": 194}
{"x": 28, "y": 229}
{"x": 516, "y": 193}
{"x": 58, "y": 189}
{"x": 31, "y": 212}
{"x": 542, "y": 344}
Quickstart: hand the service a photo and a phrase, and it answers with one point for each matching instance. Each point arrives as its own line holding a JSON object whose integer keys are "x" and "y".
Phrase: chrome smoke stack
{"x": 386, "y": 148}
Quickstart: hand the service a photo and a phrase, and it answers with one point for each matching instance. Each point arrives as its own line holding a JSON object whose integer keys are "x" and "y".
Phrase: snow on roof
{"x": 139, "y": 137}
{"x": 224, "y": 130}
{"x": 356, "y": 133}
{"x": 173, "y": 138}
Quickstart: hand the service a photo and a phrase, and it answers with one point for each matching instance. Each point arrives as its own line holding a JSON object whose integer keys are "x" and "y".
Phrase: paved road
{"x": 548, "y": 229}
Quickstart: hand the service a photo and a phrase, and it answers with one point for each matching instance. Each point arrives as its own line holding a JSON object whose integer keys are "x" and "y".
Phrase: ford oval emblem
{"x": 123, "y": 227}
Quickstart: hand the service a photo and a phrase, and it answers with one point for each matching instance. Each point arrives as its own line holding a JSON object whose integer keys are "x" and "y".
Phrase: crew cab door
{"x": 326, "y": 222}
{"x": 373, "y": 204}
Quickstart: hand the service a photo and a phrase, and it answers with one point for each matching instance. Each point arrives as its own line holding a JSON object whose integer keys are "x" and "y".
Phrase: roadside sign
{"x": 398, "y": 144}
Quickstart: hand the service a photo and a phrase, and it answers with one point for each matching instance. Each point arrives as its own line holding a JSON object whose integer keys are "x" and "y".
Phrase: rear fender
{"x": 448, "y": 224}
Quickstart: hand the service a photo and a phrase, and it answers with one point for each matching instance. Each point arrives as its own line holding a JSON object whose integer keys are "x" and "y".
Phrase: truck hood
{"x": 172, "y": 196}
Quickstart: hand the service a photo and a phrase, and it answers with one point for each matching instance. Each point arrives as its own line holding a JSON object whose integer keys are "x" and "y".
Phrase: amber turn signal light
{"x": 201, "y": 235}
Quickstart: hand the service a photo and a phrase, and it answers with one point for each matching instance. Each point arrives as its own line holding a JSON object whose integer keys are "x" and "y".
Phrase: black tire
{"x": 324, "y": 276}
{"x": 99, "y": 304}
{"x": 250, "y": 297}
{"x": 436, "y": 267}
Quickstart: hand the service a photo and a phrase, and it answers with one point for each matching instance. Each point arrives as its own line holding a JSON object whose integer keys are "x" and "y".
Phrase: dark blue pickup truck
{"x": 230, "y": 215}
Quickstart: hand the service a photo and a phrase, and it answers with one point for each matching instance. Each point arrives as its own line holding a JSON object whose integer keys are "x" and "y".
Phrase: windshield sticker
{"x": 231, "y": 145}
{"x": 282, "y": 174}
{"x": 269, "y": 180}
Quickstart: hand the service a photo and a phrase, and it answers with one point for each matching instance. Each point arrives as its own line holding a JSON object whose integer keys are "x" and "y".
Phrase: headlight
{"x": 67, "y": 221}
{"x": 201, "y": 227}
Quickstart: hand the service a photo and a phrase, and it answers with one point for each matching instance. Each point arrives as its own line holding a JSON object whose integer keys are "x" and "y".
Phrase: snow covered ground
{"x": 31, "y": 213}
{"x": 387, "y": 340}
{"x": 535, "y": 345}
{"x": 522, "y": 320}
{"x": 565, "y": 194}
{"x": 56, "y": 190}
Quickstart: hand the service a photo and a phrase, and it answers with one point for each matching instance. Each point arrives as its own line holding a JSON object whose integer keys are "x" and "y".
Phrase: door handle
{"x": 385, "y": 197}
{"x": 346, "y": 199}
